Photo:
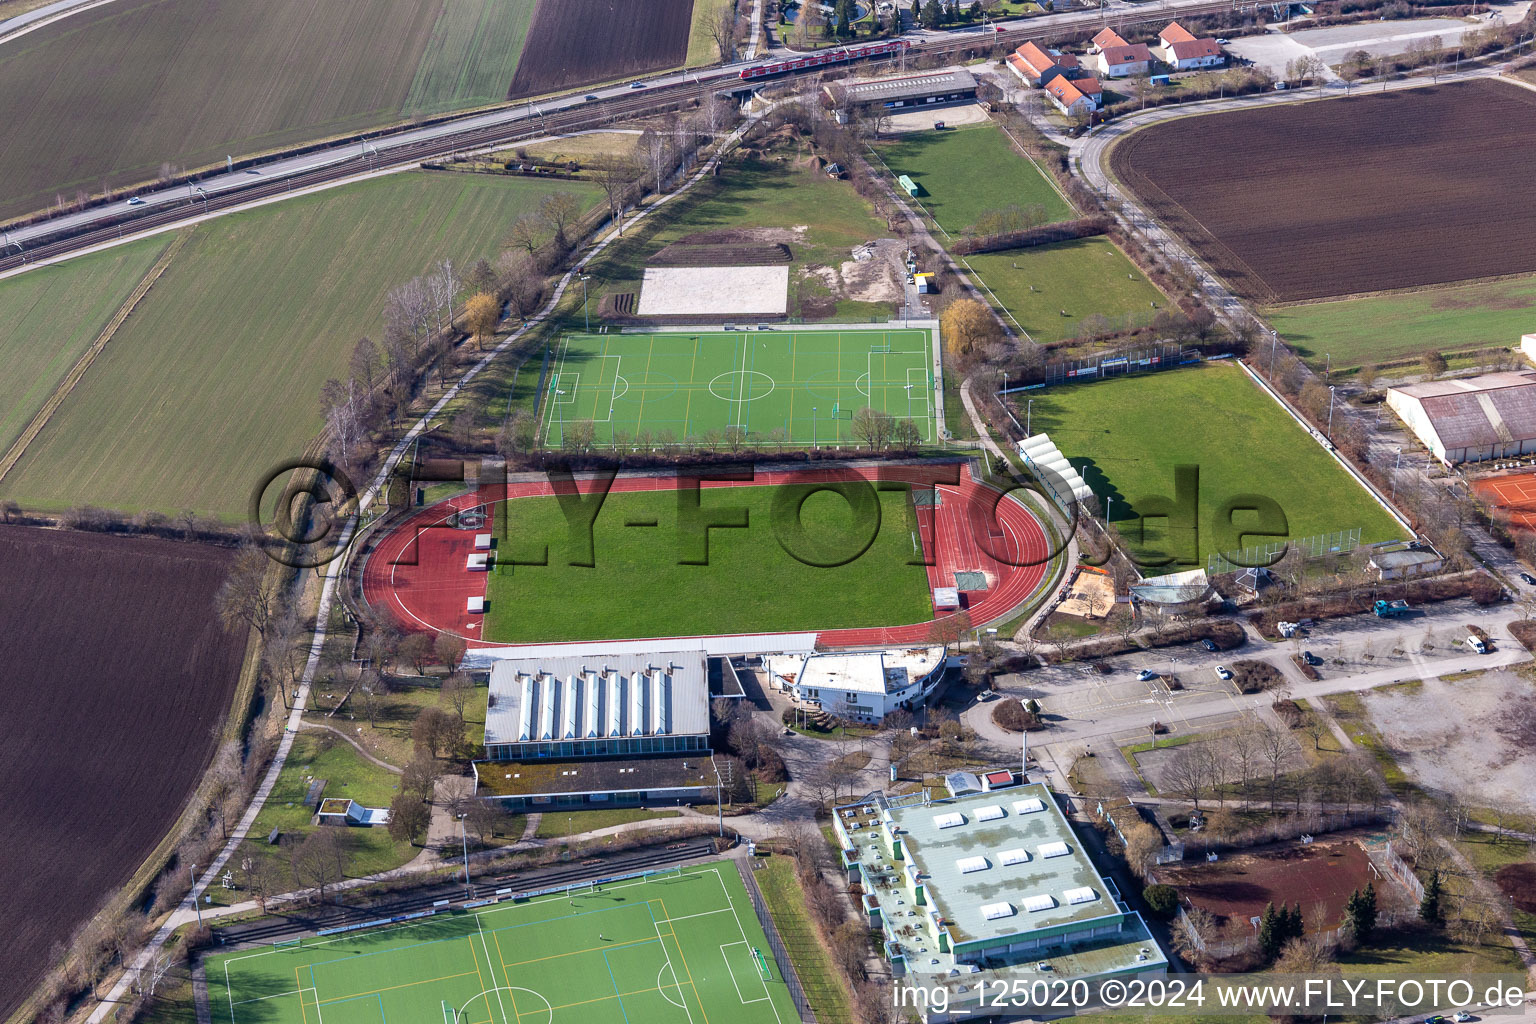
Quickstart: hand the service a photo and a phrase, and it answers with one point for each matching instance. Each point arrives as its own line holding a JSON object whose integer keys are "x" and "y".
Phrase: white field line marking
{"x": 499, "y": 1004}
{"x": 726, "y": 957}
{"x": 668, "y": 965}
{"x": 743, "y": 932}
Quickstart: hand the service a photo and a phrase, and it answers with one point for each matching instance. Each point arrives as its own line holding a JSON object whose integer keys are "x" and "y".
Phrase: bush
{"x": 1162, "y": 900}
{"x": 1013, "y": 716}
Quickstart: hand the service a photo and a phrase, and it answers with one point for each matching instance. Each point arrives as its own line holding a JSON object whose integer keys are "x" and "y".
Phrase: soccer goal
{"x": 762, "y": 964}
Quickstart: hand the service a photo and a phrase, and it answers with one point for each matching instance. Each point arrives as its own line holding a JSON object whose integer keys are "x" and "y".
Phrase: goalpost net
{"x": 289, "y": 943}
{"x": 762, "y": 964}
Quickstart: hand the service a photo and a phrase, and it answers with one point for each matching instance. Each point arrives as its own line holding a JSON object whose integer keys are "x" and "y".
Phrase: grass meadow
{"x": 701, "y": 46}
{"x": 216, "y": 376}
{"x": 640, "y": 588}
{"x": 969, "y": 171}
{"x": 1083, "y": 277}
{"x": 105, "y": 96}
{"x": 1126, "y": 435}
{"x": 1379, "y": 329}
{"x": 52, "y": 315}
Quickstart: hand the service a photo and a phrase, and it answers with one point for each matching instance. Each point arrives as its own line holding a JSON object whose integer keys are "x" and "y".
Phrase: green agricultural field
{"x": 1379, "y": 329}
{"x": 820, "y": 219}
{"x": 789, "y": 385}
{"x": 471, "y": 56}
{"x": 52, "y": 316}
{"x": 107, "y": 96}
{"x": 647, "y": 950}
{"x": 1086, "y": 277}
{"x": 640, "y": 588}
{"x": 1126, "y": 436}
{"x": 216, "y": 376}
{"x": 969, "y": 171}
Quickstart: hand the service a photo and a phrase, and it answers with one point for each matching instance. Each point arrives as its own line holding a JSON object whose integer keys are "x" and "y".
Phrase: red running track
{"x": 417, "y": 571}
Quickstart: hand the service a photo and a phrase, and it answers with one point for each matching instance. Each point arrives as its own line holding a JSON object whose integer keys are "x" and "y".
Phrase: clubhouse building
{"x": 861, "y": 686}
{"x": 985, "y": 888}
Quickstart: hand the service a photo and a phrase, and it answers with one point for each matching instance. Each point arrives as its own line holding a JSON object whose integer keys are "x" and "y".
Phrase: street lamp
{"x": 192, "y": 873}
{"x": 464, "y": 839}
{"x": 585, "y": 312}
{"x": 1395, "y": 470}
{"x": 1029, "y": 409}
{"x": 1330, "y": 414}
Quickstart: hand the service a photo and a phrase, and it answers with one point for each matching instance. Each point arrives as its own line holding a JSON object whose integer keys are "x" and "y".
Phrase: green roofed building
{"x": 985, "y": 889}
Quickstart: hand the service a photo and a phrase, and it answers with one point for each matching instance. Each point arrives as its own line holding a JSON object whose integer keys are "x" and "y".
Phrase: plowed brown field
{"x": 116, "y": 676}
{"x": 578, "y": 42}
{"x": 1379, "y": 191}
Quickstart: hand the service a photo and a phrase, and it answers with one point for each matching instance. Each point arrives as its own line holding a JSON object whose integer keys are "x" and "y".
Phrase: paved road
{"x": 378, "y": 148}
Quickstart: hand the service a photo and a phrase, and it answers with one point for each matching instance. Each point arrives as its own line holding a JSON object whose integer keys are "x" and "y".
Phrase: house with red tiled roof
{"x": 1106, "y": 37}
{"x": 1181, "y": 50}
{"x": 1122, "y": 61}
{"x": 1037, "y": 65}
{"x": 1074, "y": 98}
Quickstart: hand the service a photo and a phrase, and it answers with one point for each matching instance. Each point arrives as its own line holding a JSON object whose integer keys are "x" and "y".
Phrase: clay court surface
{"x": 1512, "y": 498}
{"x": 572, "y": 43}
{"x": 417, "y": 571}
{"x": 723, "y": 291}
{"x": 117, "y": 678}
{"x": 1368, "y": 193}
{"x": 1240, "y": 885}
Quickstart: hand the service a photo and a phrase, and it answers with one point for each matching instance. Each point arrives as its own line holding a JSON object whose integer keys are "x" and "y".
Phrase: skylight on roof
{"x": 995, "y": 911}
{"x": 1083, "y": 895}
{"x": 1016, "y": 856}
{"x": 1054, "y": 850}
{"x": 948, "y": 820}
{"x": 969, "y": 864}
{"x": 1037, "y": 903}
{"x": 1029, "y": 806}
{"x": 991, "y": 812}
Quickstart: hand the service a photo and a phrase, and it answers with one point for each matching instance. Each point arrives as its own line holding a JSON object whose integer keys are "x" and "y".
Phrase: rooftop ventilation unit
{"x": 1029, "y": 806}
{"x": 989, "y": 813}
{"x": 1049, "y": 850}
{"x": 1019, "y": 856}
{"x": 1038, "y": 903}
{"x": 969, "y": 864}
{"x": 996, "y": 911}
{"x": 948, "y": 820}
{"x": 1083, "y": 895}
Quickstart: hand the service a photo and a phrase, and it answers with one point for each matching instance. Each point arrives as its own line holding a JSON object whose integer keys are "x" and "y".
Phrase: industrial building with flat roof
{"x": 1471, "y": 419}
{"x": 861, "y": 685}
{"x": 988, "y": 887}
{"x": 598, "y": 705}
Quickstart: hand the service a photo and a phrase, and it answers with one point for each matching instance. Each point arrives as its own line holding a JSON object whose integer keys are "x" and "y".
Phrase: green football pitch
{"x": 783, "y": 385}
{"x": 670, "y": 948}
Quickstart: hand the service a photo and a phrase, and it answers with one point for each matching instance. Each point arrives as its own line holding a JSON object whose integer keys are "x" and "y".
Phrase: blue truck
{"x": 1391, "y": 609}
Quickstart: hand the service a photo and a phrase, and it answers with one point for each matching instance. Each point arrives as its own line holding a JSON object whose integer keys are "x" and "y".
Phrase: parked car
{"x": 1222, "y": 672}
{"x": 1477, "y": 645}
{"x": 1222, "y": 42}
{"x": 1209, "y": 644}
{"x": 1434, "y": 1019}
{"x": 591, "y": 97}
{"x": 1461, "y": 1017}
{"x": 938, "y": 126}
{"x": 1146, "y": 675}
{"x": 1310, "y": 658}
{"x": 1528, "y": 578}
{"x": 637, "y": 85}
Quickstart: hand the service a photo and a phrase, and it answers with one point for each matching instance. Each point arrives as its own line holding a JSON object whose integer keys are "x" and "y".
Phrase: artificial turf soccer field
{"x": 670, "y": 949}
{"x": 798, "y": 386}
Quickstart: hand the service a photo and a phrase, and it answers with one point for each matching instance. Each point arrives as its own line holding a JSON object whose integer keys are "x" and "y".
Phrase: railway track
{"x": 311, "y": 919}
{"x": 655, "y": 99}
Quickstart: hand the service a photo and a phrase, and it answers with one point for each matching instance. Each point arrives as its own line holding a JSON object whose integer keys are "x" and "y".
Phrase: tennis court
{"x": 782, "y": 385}
{"x": 1512, "y": 497}
{"x": 674, "y": 947}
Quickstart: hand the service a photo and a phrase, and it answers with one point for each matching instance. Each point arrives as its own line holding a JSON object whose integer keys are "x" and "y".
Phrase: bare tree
{"x": 722, "y": 31}
{"x": 618, "y": 182}
{"x": 244, "y": 600}
{"x": 559, "y": 210}
{"x": 526, "y": 234}
{"x": 319, "y": 860}
{"x": 1187, "y": 773}
{"x": 364, "y": 363}
{"x": 457, "y": 691}
{"x": 1278, "y": 753}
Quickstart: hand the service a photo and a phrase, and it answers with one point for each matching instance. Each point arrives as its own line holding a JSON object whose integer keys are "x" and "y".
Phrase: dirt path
{"x": 317, "y": 727}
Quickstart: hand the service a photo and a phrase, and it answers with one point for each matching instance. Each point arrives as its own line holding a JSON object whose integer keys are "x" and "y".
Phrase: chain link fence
{"x": 780, "y": 955}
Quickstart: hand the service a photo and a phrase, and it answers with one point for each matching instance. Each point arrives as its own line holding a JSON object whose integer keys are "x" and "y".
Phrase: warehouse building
{"x": 905, "y": 92}
{"x": 1471, "y": 419}
{"x": 988, "y": 888}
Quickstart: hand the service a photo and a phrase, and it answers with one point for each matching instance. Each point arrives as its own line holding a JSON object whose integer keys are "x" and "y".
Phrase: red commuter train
{"x": 837, "y": 56}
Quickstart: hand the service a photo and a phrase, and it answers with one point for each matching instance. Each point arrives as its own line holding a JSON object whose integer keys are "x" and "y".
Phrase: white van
{"x": 1477, "y": 645}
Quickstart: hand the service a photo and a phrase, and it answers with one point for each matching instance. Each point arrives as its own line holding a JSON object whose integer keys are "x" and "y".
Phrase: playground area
{"x": 669, "y": 947}
{"x": 782, "y": 385}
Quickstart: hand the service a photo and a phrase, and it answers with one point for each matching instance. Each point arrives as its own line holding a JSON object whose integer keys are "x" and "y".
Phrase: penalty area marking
{"x": 729, "y": 970}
